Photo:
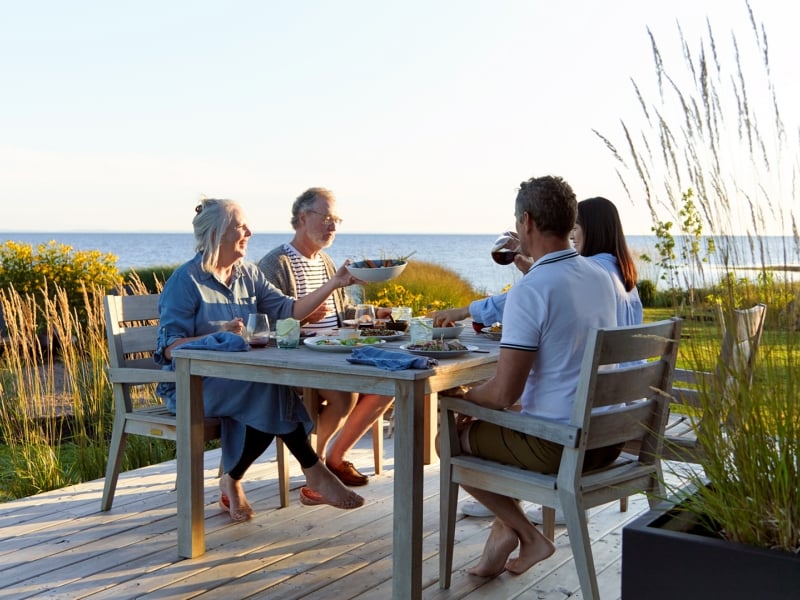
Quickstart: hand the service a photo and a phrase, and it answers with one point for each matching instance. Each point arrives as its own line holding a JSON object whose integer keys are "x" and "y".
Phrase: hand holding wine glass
{"x": 505, "y": 248}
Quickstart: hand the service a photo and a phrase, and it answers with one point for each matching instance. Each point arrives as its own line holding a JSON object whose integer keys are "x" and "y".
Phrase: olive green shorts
{"x": 510, "y": 447}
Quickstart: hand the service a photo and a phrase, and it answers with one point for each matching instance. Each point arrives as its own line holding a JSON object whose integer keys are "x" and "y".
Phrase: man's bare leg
{"x": 332, "y": 416}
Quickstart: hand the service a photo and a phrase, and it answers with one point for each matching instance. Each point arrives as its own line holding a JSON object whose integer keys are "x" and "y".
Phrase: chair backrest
{"x": 741, "y": 337}
{"x": 625, "y": 386}
{"x": 131, "y": 330}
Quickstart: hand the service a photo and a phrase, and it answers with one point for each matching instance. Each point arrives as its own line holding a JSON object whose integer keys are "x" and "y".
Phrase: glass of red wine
{"x": 505, "y": 248}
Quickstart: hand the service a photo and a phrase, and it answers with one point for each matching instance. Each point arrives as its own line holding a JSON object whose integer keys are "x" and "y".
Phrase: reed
{"x": 56, "y": 408}
{"x": 712, "y": 136}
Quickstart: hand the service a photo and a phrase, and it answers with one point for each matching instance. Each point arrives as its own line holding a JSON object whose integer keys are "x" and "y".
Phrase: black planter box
{"x": 666, "y": 555}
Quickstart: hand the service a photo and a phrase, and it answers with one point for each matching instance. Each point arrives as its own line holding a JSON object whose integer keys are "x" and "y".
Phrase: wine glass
{"x": 505, "y": 248}
{"x": 257, "y": 330}
{"x": 365, "y": 316}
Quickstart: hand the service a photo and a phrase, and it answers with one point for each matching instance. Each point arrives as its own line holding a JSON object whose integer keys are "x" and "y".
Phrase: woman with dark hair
{"x": 598, "y": 235}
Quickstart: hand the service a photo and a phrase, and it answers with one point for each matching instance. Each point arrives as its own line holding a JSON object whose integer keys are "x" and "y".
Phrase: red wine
{"x": 503, "y": 256}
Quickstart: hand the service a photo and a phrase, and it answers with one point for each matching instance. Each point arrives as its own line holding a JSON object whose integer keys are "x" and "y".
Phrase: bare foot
{"x": 237, "y": 504}
{"x": 501, "y": 543}
{"x": 321, "y": 480}
{"x": 531, "y": 551}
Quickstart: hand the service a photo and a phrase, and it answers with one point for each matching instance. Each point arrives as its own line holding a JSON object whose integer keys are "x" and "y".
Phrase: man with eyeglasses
{"x": 298, "y": 268}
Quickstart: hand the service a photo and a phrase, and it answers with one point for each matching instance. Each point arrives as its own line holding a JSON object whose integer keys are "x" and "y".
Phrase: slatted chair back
{"x": 741, "y": 337}
{"x": 627, "y": 372}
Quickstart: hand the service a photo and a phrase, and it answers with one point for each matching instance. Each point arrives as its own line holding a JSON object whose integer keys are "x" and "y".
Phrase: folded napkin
{"x": 222, "y": 341}
{"x": 390, "y": 361}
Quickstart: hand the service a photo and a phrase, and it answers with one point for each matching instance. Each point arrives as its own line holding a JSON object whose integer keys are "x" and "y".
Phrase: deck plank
{"x": 59, "y": 545}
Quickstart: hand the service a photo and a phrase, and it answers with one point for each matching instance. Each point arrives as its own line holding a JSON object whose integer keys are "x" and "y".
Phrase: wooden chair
{"x": 741, "y": 336}
{"x": 638, "y": 399}
{"x": 131, "y": 330}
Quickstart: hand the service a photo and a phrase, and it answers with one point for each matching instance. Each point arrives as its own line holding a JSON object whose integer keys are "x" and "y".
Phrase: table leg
{"x": 408, "y": 492}
{"x": 189, "y": 448}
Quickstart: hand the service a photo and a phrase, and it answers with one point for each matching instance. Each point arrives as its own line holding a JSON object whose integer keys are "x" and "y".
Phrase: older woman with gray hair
{"x": 219, "y": 286}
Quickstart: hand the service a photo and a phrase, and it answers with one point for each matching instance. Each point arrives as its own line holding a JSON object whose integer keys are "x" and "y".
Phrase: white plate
{"x": 438, "y": 353}
{"x": 492, "y": 335}
{"x": 325, "y": 343}
{"x": 447, "y": 333}
{"x": 373, "y": 274}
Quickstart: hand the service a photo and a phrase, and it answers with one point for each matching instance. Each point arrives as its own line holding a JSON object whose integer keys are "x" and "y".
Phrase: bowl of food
{"x": 448, "y": 331}
{"x": 397, "y": 325}
{"x": 493, "y": 332}
{"x": 373, "y": 271}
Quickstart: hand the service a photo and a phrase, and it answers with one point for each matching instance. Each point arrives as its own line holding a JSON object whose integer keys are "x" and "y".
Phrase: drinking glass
{"x": 421, "y": 330}
{"x": 287, "y": 333}
{"x": 505, "y": 248}
{"x": 365, "y": 316}
{"x": 256, "y": 332}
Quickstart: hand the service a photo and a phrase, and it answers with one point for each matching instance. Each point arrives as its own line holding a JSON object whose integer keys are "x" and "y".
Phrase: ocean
{"x": 467, "y": 255}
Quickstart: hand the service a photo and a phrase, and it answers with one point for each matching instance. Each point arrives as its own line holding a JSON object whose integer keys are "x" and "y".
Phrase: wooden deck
{"x": 58, "y": 544}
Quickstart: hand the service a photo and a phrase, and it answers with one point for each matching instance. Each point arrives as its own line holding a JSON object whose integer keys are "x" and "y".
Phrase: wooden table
{"x": 305, "y": 367}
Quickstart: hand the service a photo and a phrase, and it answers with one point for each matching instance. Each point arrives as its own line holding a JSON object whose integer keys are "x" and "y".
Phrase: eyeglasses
{"x": 327, "y": 220}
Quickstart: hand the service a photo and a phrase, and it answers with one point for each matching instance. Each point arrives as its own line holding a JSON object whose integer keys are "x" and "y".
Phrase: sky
{"x": 422, "y": 117}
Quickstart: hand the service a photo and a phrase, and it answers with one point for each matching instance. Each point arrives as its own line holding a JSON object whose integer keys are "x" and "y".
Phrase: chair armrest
{"x": 140, "y": 376}
{"x": 695, "y": 377}
{"x": 561, "y": 433}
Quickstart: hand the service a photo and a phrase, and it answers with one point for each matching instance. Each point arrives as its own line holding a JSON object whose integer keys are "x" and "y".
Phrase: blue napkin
{"x": 223, "y": 341}
{"x": 390, "y": 361}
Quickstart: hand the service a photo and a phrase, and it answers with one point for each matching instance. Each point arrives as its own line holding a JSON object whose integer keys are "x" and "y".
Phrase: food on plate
{"x": 372, "y": 263}
{"x": 438, "y": 346}
{"x": 367, "y": 332}
{"x": 495, "y": 328}
{"x": 347, "y": 342}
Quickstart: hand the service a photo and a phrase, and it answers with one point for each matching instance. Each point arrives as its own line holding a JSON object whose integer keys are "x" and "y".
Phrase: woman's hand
{"x": 234, "y": 326}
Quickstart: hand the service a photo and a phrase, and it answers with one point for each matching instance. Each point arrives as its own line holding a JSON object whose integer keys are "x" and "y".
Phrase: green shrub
{"x": 647, "y": 292}
{"x": 152, "y": 278}
{"x": 424, "y": 287}
{"x": 40, "y": 272}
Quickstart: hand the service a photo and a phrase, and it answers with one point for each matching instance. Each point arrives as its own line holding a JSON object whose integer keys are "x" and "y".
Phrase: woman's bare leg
{"x": 238, "y": 506}
{"x": 325, "y": 483}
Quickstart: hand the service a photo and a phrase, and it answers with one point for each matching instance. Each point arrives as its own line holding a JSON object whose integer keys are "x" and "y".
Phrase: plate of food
{"x": 493, "y": 332}
{"x": 448, "y": 332}
{"x": 439, "y": 348}
{"x": 377, "y": 270}
{"x": 325, "y": 343}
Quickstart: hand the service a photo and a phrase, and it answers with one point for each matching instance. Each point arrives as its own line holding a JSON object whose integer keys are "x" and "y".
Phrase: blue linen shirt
{"x": 195, "y": 303}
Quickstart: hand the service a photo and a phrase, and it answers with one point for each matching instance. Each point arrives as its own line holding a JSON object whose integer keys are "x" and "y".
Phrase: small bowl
{"x": 492, "y": 335}
{"x": 448, "y": 332}
{"x": 348, "y": 333}
{"x": 397, "y": 325}
{"x": 364, "y": 272}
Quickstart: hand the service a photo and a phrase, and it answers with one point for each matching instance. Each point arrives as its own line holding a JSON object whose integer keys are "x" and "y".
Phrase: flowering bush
{"x": 52, "y": 266}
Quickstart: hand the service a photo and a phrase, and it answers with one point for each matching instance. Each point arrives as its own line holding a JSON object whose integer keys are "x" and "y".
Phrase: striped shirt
{"x": 310, "y": 275}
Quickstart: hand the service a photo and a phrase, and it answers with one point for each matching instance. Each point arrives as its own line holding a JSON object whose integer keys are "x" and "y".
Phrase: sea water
{"x": 466, "y": 254}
